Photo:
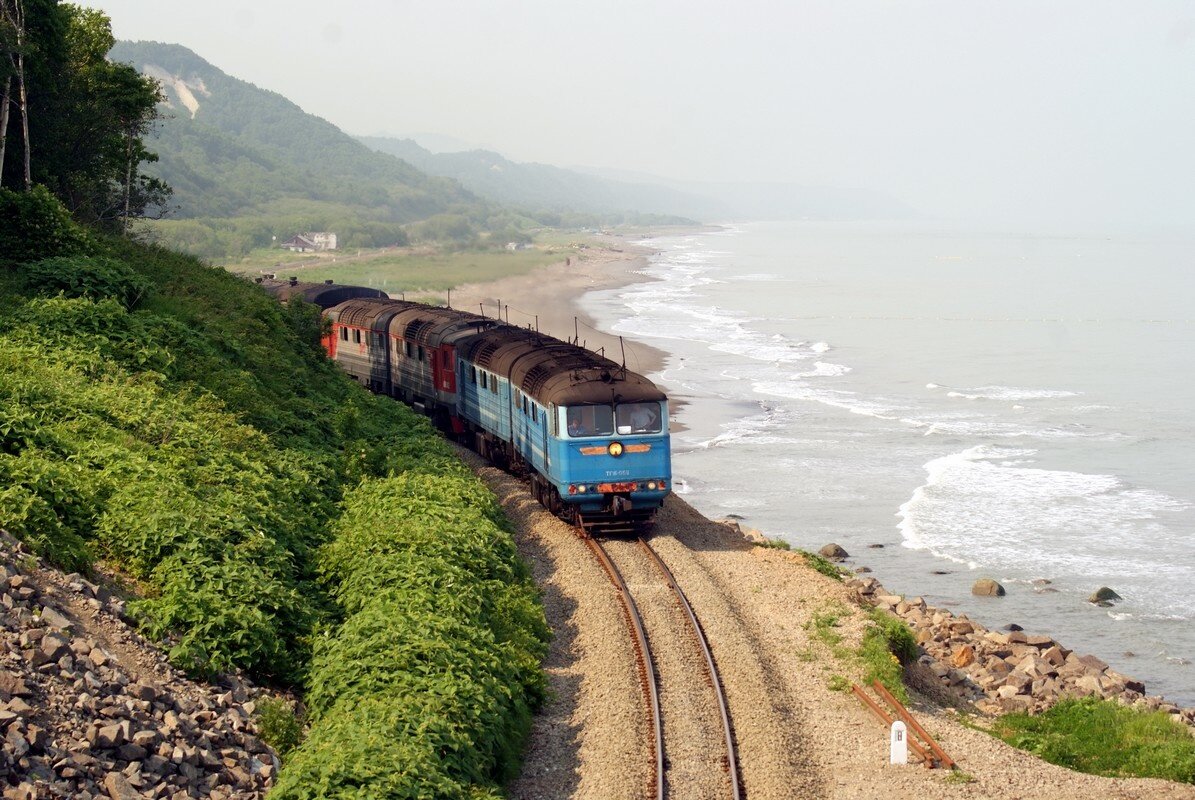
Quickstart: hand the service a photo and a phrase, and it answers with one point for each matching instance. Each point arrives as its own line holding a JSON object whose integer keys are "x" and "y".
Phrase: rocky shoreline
{"x": 1006, "y": 671}
{"x": 994, "y": 672}
{"x": 89, "y": 709}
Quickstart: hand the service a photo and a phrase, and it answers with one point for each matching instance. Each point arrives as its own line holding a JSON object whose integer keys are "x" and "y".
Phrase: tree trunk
{"x": 4, "y": 124}
{"x": 15, "y": 15}
{"x": 128, "y": 181}
{"x": 24, "y": 114}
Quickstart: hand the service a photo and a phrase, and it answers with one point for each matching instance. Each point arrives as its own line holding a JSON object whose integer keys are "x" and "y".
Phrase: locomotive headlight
{"x": 651, "y": 486}
{"x": 615, "y": 449}
{"x": 582, "y": 489}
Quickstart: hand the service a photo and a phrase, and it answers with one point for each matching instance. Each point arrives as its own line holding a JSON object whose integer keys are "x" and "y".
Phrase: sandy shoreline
{"x": 549, "y": 297}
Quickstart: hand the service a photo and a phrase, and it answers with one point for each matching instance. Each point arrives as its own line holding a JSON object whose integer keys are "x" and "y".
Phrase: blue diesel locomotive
{"x": 592, "y": 436}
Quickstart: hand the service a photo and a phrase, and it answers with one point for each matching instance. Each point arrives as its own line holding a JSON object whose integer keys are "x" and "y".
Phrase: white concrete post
{"x": 899, "y": 744}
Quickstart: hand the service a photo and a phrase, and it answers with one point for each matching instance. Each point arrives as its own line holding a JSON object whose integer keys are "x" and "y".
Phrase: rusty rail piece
{"x": 913, "y": 724}
{"x": 715, "y": 680}
{"x": 647, "y": 670}
{"x": 887, "y": 720}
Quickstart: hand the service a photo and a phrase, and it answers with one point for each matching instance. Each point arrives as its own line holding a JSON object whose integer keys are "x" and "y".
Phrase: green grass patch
{"x": 413, "y": 271}
{"x": 1104, "y": 738}
{"x": 774, "y": 544}
{"x": 887, "y": 646}
{"x": 822, "y": 564}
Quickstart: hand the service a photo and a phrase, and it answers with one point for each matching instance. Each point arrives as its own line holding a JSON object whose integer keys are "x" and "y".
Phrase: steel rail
{"x": 647, "y": 672}
{"x": 715, "y": 680}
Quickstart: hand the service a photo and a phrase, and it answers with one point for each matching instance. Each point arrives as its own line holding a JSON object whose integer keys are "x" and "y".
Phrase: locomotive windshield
{"x": 638, "y": 418}
{"x": 590, "y": 421}
{"x": 623, "y": 419}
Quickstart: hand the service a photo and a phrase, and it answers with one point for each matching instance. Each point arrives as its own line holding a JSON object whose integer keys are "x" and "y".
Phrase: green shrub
{"x": 34, "y": 225}
{"x": 1105, "y": 738}
{"x": 94, "y": 277}
{"x": 437, "y": 661}
{"x": 278, "y": 724}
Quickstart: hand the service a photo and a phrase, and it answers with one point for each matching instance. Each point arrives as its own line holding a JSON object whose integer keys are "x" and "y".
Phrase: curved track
{"x": 691, "y": 719}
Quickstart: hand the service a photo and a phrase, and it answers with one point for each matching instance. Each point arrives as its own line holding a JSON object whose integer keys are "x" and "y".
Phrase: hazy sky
{"x": 1075, "y": 113}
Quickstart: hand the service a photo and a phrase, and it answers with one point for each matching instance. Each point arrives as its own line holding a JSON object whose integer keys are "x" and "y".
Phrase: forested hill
{"x": 232, "y": 149}
{"x": 539, "y": 186}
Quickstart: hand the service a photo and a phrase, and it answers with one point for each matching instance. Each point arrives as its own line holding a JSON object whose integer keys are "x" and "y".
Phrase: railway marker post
{"x": 898, "y": 741}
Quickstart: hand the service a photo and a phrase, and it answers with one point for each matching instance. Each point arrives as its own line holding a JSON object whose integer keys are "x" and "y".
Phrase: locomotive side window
{"x": 356, "y": 337}
{"x": 421, "y": 352}
{"x": 473, "y": 370}
{"x": 638, "y": 418}
{"x": 493, "y": 383}
{"x": 344, "y": 333}
{"x": 406, "y": 349}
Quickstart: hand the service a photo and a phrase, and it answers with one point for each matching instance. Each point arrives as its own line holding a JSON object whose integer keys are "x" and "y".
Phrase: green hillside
{"x": 246, "y": 165}
{"x": 172, "y": 421}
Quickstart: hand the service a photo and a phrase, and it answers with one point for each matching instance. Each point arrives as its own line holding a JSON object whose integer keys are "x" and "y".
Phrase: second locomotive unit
{"x": 592, "y": 435}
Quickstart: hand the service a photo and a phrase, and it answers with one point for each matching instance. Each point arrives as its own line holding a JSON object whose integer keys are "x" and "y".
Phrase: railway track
{"x": 687, "y": 710}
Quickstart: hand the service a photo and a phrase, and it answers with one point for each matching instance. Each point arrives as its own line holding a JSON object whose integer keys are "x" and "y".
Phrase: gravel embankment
{"x": 797, "y": 738}
{"x": 89, "y": 709}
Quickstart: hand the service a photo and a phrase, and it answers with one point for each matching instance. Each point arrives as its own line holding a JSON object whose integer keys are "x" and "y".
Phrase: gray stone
{"x": 131, "y": 752}
{"x": 986, "y": 587}
{"x": 118, "y": 788}
{"x": 107, "y": 736}
{"x": 1104, "y": 595}
{"x": 834, "y": 552}
{"x": 54, "y": 646}
{"x": 55, "y": 620}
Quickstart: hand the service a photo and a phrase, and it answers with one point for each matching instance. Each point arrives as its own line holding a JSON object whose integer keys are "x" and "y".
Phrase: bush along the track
{"x": 426, "y": 688}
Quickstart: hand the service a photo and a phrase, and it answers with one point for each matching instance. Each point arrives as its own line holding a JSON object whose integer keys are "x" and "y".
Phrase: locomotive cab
{"x": 615, "y": 459}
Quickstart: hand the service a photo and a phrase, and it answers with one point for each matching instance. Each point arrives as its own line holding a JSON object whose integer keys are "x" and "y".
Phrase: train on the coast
{"x": 592, "y": 435}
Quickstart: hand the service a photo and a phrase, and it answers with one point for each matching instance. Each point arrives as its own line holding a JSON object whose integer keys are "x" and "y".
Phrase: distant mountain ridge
{"x": 230, "y": 148}
{"x": 532, "y": 185}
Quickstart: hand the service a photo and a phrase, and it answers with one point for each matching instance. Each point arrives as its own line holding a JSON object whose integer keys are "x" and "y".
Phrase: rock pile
{"x": 1010, "y": 671}
{"x": 90, "y": 710}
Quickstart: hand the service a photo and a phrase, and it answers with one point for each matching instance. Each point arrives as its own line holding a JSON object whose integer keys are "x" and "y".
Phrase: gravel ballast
{"x": 797, "y": 737}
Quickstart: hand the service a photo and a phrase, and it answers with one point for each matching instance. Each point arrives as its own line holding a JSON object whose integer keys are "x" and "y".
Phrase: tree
{"x": 85, "y": 116}
{"x": 12, "y": 31}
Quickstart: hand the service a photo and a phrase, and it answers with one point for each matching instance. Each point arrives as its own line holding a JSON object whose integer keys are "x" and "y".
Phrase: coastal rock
{"x": 1104, "y": 597}
{"x": 834, "y": 552}
{"x": 964, "y": 656}
{"x": 986, "y": 587}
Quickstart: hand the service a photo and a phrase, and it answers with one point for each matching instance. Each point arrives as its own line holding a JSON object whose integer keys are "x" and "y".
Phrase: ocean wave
{"x": 1010, "y": 393}
{"x": 991, "y": 505}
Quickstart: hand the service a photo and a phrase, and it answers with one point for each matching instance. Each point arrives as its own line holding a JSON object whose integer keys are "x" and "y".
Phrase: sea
{"x": 946, "y": 403}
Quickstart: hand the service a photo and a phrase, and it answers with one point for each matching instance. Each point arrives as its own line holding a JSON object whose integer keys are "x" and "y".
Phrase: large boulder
{"x": 1104, "y": 597}
{"x": 834, "y": 552}
{"x": 986, "y": 587}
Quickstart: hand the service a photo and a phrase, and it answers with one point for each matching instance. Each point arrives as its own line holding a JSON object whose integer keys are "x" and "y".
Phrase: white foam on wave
{"x": 1010, "y": 393}
{"x": 990, "y": 505}
{"x": 758, "y": 277}
{"x": 757, "y": 429}
{"x": 834, "y": 398}
{"x": 999, "y": 429}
